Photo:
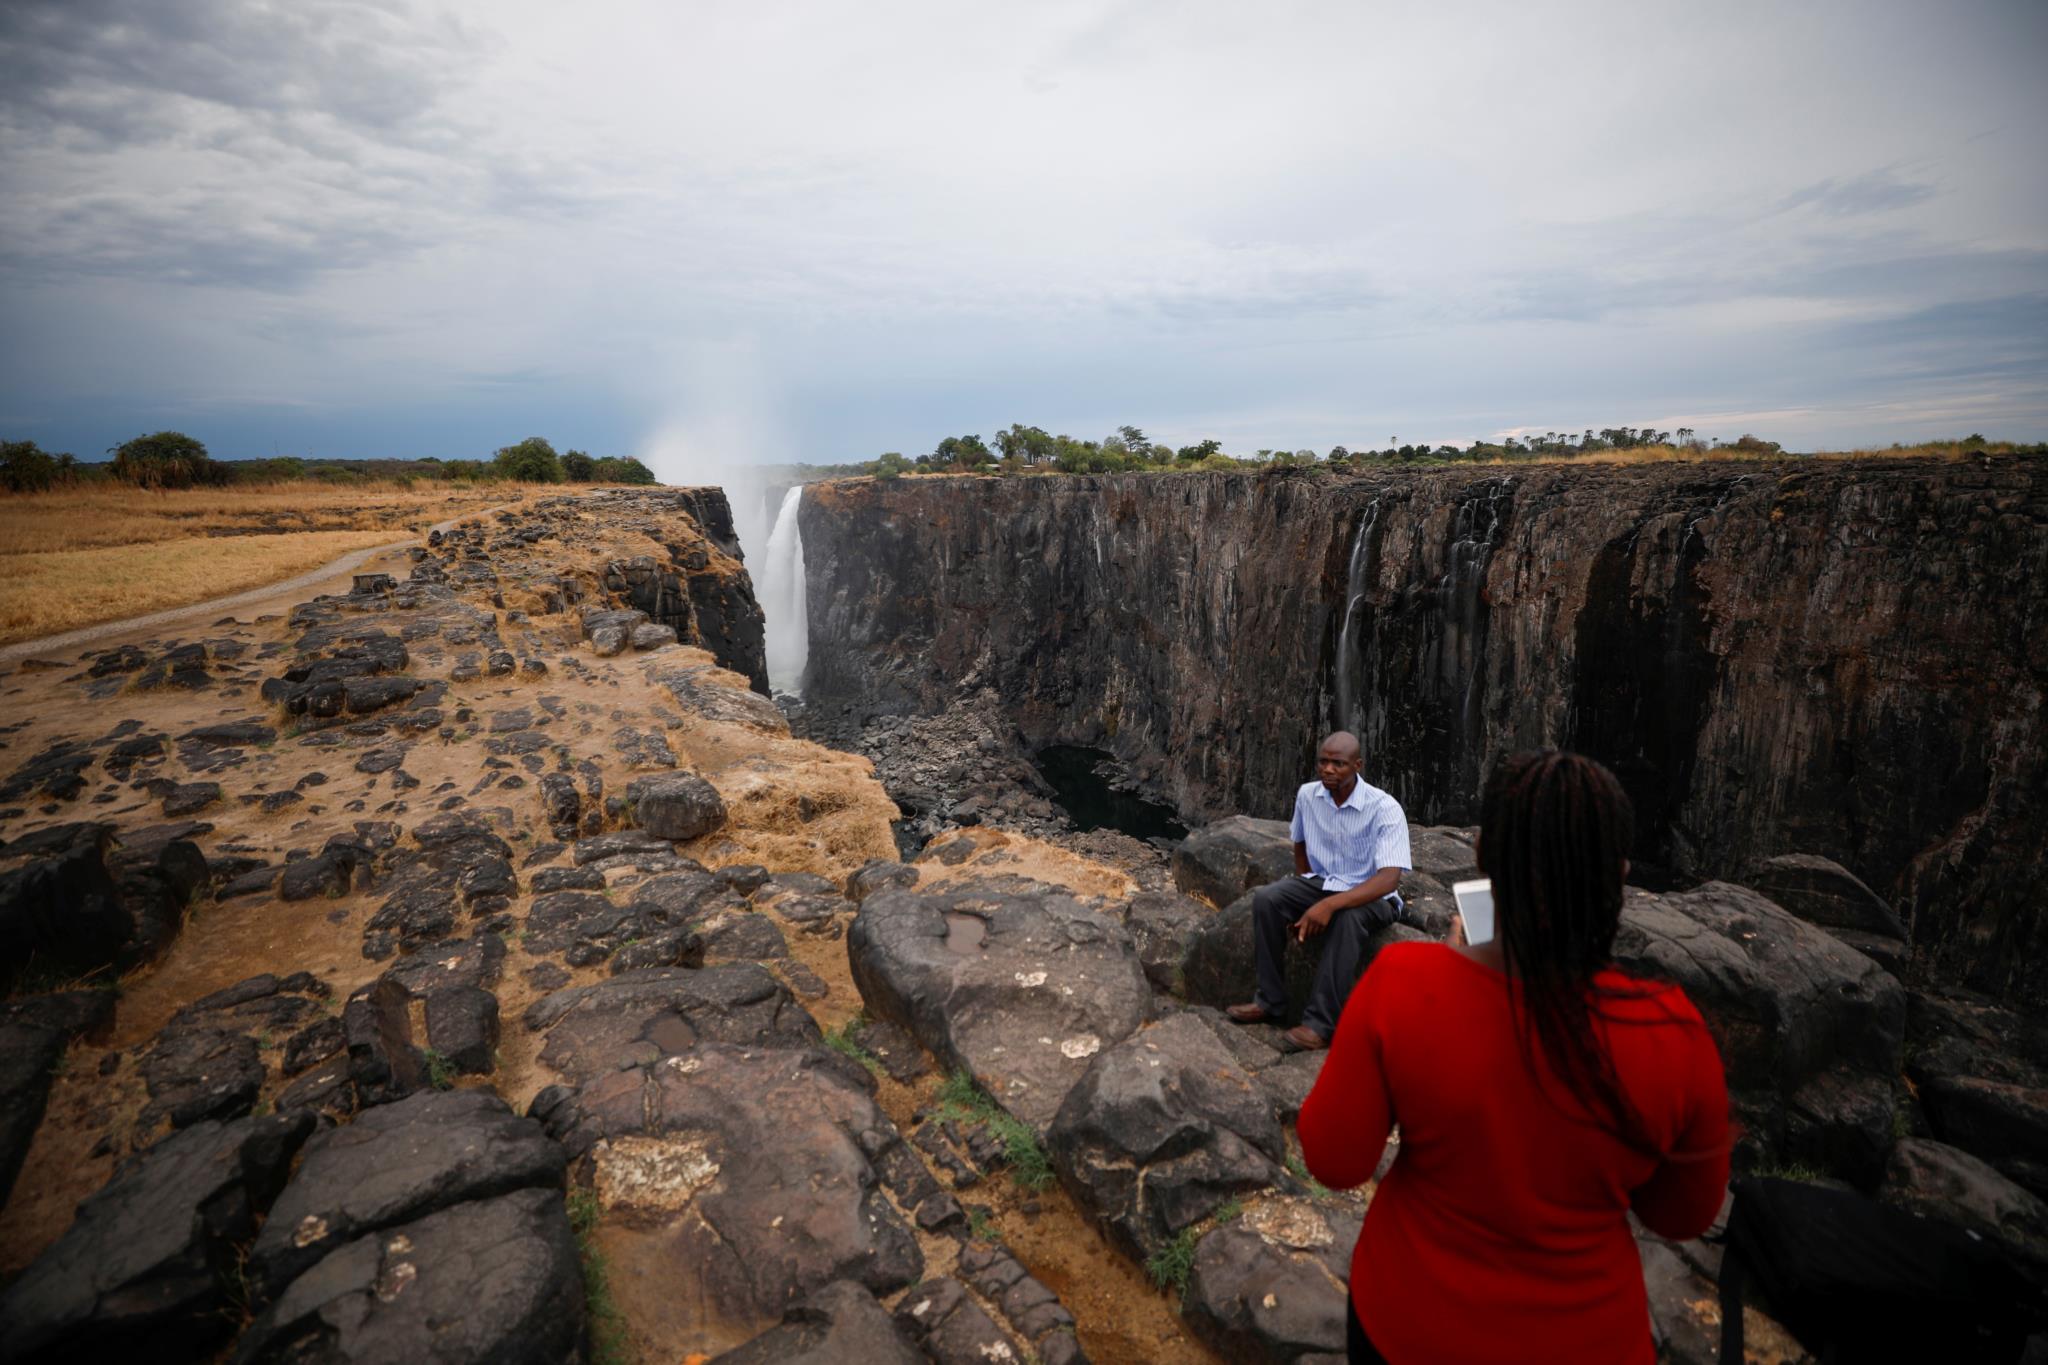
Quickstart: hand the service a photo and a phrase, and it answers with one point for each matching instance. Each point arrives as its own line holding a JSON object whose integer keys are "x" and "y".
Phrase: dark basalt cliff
{"x": 1832, "y": 658}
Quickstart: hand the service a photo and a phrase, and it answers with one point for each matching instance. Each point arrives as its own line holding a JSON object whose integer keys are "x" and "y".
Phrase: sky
{"x": 740, "y": 233}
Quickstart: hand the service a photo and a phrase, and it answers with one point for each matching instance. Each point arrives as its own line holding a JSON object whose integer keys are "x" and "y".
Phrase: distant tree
{"x": 167, "y": 459}
{"x": 26, "y": 468}
{"x": 890, "y": 465}
{"x": 1756, "y": 445}
{"x": 967, "y": 452}
{"x": 623, "y": 469}
{"x": 473, "y": 470}
{"x": 533, "y": 460}
{"x": 1133, "y": 438}
{"x": 1338, "y": 454}
{"x": 1198, "y": 452}
{"x": 577, "y": 467}
{"x": 1033, "y": 445}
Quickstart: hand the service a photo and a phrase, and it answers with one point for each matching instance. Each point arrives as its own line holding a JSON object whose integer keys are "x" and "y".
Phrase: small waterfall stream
{"x": 781, "y": 587}
{"x": 1346, "y": 707}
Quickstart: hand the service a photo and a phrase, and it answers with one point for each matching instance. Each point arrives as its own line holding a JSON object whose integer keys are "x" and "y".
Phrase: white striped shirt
{"x": 1347, "y": 844}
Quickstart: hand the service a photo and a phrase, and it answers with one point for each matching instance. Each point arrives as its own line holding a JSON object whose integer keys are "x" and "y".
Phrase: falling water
{"x": 782, "y": 599}
{"x": 1347, "y": 708}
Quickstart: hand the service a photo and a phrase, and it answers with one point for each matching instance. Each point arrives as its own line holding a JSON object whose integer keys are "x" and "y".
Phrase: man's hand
{"x": 1317, "y": 919}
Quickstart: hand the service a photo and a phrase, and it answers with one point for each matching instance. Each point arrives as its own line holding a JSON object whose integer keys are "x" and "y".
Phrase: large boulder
{"x": 395, "y": 1163}
{"x": 1222, "y": 861}
{"x": 1982, "y": 1077}
{"x": 139, "y": 1272}
{"x": 1823, "y": 892}
{"x": 675, "y": 805}
{"x": 752, "y": 1175}
{"x": 71, "y": 905}
{"x": 1160, "y": 1131}
{"x": 1163, "y": 926}
{"x": 1270, "y": 1284}
{"x": 1020, "y": 985}
{"x": 638, "y": 1017}
{"x": 491, "y": 1282}
{"x": 1939, "y": 1181}
{"x": 1810, "y": 1030}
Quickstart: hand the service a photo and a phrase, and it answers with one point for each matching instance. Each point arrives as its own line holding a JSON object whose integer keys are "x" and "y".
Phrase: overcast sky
{"x": 771, "y": 231}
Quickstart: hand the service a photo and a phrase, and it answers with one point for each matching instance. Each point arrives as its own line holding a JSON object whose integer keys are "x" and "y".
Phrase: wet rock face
{"x": 1774, "y": 658}
{"x": 1020, "y": 986}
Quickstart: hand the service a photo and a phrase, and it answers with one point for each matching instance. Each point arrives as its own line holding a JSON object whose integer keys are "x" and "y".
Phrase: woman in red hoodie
{"x": 1542, "y": 1096}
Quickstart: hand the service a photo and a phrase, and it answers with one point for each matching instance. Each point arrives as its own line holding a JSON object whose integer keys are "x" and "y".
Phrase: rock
{"x": 1788, "y": 1004}
{"x": 1946, "y": 1183}
{"x": 1164, "y": 926}
{"x": 606, "y": 641}
{"x": 560, "y": 804}
{"x": 60, "y": 907}
{"x": 1441, "y": 852}
{"x": 496, "y": 1281}
{"x": 327, "y": 873}
{"x": 1223, "y": 861}
{"x": 943, "y": 1318}
{"x": 396, "y": 1163}
{"x": 625, "y": 843}
{"x": 755, "y": 1165}
{"x": 189, "y": 797}
{"x": 1270, "y": 1285}
{"x": 651, "y": 636}
{"x": 1018, "y": 987}
{"x": 838, "y": 1324}
{"x": 1821, "y": 891}
{"x": 1161, "y": 1130}
{"x": 879, "y": 876}
{"x": 638, "y": 1017}
{"x": 675, "y": 805}
{"x": 459, "y": 862}
{"x": 200, "y": 1073}
{"x": 34, "y": 1032}
{"x": 1982, "y": 1078}
{"x": 385, "y": 1063}
{"x": 137, "y": 1272}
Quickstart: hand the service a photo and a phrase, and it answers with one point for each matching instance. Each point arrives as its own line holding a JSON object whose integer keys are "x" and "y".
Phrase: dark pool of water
{"x": 1085, "y": 795}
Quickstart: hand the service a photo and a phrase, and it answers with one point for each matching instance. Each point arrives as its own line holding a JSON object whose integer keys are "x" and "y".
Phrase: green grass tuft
{"x": 609, "y": 1342}
{"x": 1298, "y": 1168}
{"x": 1171, "y": 1265}
{"x": 440, "y": 1071}
{"x": 962, "y": 1101}
{"x": 846, "y": 1040}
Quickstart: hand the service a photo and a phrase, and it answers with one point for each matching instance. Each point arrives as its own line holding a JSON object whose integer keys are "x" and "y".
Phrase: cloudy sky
{"x": 741, "y": 231}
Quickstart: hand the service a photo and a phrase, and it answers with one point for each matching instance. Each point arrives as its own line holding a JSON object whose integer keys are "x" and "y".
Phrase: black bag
{"x": 1854, "y": 1280}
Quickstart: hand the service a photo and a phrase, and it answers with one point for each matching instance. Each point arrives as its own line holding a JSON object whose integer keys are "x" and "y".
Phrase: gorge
{"x": 1820, "y": 657}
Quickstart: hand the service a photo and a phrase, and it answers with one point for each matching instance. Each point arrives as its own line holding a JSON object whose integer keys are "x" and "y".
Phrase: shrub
{"x": 168, "y": 459}
{"x": 533, "y": 460}
{"x": 26, "y": 467}
{"x": 578, "y": 467}
{"x": 623, "y": 469}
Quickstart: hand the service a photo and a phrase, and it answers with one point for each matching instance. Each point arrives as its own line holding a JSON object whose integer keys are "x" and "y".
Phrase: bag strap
{"x": 1732, "y": 1276}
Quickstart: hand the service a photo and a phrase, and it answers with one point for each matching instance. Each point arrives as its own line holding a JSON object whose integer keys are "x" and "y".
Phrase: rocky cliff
{"x": 1832, "y": 658}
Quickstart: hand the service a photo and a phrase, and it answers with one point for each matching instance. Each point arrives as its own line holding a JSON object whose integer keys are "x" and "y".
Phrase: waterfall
{"x": 782, "y": 599}
{"x": 1347, "y": 710}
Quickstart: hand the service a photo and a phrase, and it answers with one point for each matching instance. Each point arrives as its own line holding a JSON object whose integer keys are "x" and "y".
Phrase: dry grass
{"x": 116, "y": 514}
{"x": 45, "y": 594}
{"x": 80, "y": 556}
{"x": 1933, "y": 450}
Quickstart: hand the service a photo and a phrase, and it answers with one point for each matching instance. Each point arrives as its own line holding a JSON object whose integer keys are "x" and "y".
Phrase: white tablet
{"x": 1475, "y": 908}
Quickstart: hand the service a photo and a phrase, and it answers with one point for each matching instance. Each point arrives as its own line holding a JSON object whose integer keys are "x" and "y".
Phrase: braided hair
{"x": 1555, "y": 831}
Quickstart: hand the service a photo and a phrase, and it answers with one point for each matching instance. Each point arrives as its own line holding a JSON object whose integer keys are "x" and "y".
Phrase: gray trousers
{"x": 1275, "y": 908}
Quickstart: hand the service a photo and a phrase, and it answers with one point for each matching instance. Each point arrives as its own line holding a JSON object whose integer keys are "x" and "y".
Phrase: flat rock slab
{"x": 395, "y": 1163}
{"x": 1270, "y": 1285}
{"x": 1222, "y": 861}
{"x": 1019, "y": 987}
{"x": 757, "y": 1170}
{"x": 642, "y": 1016}
{"x": 496, "y": 1281}
{"x": 137, "y": 1273}
{"x": 1160, "y": 1131}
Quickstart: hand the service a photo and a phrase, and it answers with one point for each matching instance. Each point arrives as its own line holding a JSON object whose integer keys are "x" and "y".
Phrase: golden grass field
{"x": 80, "y": 556}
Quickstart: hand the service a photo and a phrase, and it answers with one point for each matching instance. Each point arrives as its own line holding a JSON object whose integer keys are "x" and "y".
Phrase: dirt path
{"x": 107, "y": 630}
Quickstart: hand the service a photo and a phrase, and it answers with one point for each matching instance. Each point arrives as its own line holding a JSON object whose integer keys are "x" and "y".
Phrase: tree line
{"x": 1021, "y": 448}
{"x": 171, "y": 459}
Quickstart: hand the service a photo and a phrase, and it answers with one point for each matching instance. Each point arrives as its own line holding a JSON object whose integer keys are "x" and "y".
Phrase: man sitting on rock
{"x": 1350, "y": 849}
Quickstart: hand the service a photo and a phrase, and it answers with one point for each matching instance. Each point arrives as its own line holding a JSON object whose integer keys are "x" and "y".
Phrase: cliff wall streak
{"x": 1834, "y": 658}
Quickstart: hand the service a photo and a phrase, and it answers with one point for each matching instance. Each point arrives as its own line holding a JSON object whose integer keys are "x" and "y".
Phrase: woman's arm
{"x": 1682, "y": 1197}
{"x": 1346, "y": 1118}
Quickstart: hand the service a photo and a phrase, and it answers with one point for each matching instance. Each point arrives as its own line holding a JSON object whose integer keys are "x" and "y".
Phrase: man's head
{"x": 1337, "y": 763}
